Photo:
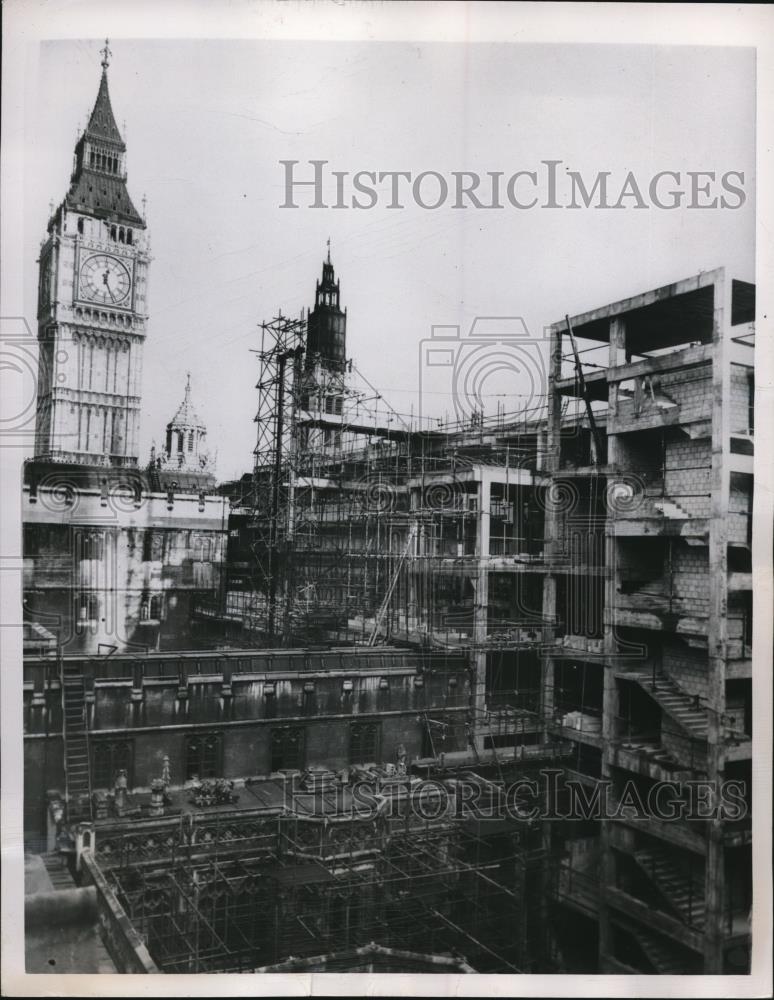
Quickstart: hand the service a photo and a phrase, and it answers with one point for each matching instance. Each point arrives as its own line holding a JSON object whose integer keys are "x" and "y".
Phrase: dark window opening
{"x": 152, "y": 609}
{"x": 108, "y": 758}
{"x": 287, "y": 749}
{"x": 203, "y": 755}
{"x": 742, "y": 302}
{"x": 751, "y": 403}
{"x": 747, "y": 618}
{"x": 309, "y": 703}
{"x": 580, "y": 601}
{"x": 364, "y": 742}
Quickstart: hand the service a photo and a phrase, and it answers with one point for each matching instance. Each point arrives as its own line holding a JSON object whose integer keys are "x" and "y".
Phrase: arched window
{"x": 91, "y": 157}
{"x": 121, "y": 234}
{"x": 80, "y": 226}
{"x": 113, "y": 233}
{"x": 129, "y": 236}
{"x": 190, "y": 440}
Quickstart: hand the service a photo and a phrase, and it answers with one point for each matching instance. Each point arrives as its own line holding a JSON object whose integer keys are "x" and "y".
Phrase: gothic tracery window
{"x": 203, "y": 754}
{"x": 364, "y": 742}
{"x": 108, "y": 758}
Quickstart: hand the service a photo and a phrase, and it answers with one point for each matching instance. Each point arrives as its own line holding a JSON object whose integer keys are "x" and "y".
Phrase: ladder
{"x": 76, "y": 746}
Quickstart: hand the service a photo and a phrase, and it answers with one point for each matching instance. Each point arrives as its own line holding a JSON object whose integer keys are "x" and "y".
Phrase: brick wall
{"x": 687, "y": 475}
{"x": 689, "y": 668}
{"x": 684, "y": 748}
{"x": 691, "y": 389}
{"x": 690, "y": 566}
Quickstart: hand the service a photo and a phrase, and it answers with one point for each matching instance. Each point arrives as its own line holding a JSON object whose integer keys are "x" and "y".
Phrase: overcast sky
{"x": 208, "y": 122}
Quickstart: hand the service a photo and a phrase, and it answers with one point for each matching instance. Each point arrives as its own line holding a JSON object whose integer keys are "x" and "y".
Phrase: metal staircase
{"x": 76, "y": 745}
{"x": 682, "y": 890}
{"x": 664, "y": 958}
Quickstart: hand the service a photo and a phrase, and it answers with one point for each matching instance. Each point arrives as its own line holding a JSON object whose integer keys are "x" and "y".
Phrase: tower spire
{"x": 98, "y": 181}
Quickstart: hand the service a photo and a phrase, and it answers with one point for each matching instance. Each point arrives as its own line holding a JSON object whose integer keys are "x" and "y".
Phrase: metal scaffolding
{"x": 438, "y": 889}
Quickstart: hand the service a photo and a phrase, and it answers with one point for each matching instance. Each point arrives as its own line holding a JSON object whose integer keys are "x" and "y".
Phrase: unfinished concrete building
{"x": 594, "y": 566}
{"x": 657, "y": 669}
{"x": 458, "y": 697}
{"x": 562, "y": 593}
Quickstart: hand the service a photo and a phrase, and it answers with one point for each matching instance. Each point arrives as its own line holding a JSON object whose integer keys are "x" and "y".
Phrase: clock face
{"x": 105, "y": 280}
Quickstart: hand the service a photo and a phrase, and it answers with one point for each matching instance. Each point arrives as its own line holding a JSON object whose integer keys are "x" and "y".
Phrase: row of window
{"x": 181, "y": 440}
{"x": 104, "y": 161}
{"x": 331, "y": 404}
{"x": 88, "y": 607}
{"x": 204, "y": 753}
{"x": 118, "y": 234}
{"x": 95, "y": 316}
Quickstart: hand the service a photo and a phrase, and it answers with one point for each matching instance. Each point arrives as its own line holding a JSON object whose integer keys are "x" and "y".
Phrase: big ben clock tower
{"x": 92, "y": 302}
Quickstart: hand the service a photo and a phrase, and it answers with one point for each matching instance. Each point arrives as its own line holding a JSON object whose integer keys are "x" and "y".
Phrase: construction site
{"x": 589, "y": 558}
{"x": 411, "y": 621}
{"x": 467, "y": 695}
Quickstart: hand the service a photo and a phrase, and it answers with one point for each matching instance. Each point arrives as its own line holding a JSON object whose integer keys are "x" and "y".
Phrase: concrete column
{"x": 551, "y": 528}
{"x": 610, "y": 687}
{"x": 481, "y": 592}
{"x": 717, "y": 626}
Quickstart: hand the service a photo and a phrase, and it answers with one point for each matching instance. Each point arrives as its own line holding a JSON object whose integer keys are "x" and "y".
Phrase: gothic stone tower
{"x": 92, "y": 306}
{"x": 326, "y": 340}
{"x": 325, "y": 366}
{"x": 115, "y": 555}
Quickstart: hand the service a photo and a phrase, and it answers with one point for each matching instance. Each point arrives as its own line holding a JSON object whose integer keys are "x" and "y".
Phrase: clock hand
{"x": 106, "y": 283}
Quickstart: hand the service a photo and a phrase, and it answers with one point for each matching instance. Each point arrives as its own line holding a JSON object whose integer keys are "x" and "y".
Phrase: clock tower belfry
{"x": 92, "y": 305}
